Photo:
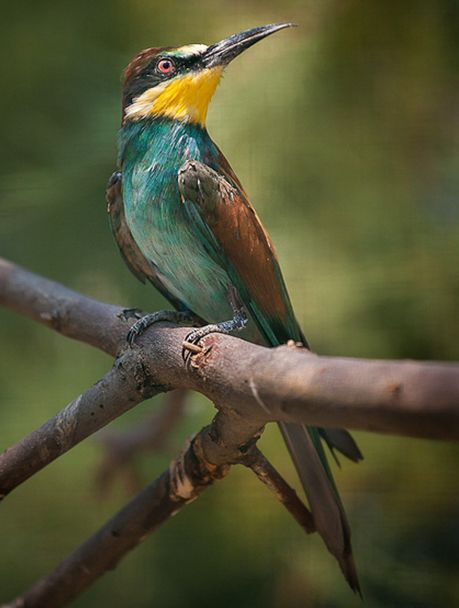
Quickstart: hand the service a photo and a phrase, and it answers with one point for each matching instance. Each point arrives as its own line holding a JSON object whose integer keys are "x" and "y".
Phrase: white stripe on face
{"x": 190, "y": 50}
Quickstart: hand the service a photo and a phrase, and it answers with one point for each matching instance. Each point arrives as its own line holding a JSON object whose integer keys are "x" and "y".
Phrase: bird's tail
{"x": 306, "y": 450}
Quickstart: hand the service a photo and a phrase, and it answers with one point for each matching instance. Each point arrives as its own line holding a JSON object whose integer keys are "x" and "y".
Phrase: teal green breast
{"x": 151, "y": 154}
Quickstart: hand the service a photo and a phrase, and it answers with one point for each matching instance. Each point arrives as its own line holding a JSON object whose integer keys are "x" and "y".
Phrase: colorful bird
{"x": 183, "y": 222}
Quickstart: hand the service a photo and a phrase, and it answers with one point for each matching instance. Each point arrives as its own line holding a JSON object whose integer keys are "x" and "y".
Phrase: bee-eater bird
{"x": 183, "y": 222}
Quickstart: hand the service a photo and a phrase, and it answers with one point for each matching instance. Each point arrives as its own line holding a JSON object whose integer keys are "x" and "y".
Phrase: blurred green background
{"x": 345, "y": 133}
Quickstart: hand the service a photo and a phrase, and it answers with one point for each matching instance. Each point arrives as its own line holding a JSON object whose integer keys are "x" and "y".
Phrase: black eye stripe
{"x": 150, "y": 76}
{"x": 180, "y": 63}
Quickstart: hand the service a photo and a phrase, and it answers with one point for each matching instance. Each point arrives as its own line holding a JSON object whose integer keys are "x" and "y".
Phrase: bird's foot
{"x": 130, "y": 313}
{"x": 171, "y": 316}
{"x": 191, "y": 343}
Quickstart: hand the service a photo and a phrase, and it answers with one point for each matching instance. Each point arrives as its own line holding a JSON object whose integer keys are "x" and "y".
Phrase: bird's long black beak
{"x": 226, "y": 50}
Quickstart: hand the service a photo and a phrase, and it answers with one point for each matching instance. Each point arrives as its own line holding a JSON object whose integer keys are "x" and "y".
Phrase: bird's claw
{"x": 143, "y": 322}
{"x": 190, "y": 346}
{"x": 135, "y": 331}
{"x": 193, "y": 348}
{"x": 130, "y": 313}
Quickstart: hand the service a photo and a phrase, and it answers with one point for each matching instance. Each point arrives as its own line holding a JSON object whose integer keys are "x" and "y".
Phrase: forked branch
{"x": 418, "y": 399}
{"x": 250, "y": 386}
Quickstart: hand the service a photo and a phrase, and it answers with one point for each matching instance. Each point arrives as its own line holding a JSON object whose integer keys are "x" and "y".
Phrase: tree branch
{"x": 250, "y": 386}
{"x": 118, "y": 391}
{"x": 268, "y": 475}
{"x": 410, "y": 398}
{"x": 66, "y": 311}
{"x": 186, "y": 478}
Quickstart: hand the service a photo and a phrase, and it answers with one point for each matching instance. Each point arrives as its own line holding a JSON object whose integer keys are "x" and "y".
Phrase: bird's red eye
{"x": 165, "y": 66}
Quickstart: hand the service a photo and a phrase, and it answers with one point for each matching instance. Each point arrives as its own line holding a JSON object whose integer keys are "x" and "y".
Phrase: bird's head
{"x": 179, "y": 83}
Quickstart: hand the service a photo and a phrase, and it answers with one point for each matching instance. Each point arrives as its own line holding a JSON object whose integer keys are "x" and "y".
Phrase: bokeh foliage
{"x": 345, "y": 134}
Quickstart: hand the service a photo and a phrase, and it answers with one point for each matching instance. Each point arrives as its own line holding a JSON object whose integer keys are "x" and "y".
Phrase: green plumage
{"x": 151, "y": 155}
{"x": 183, "y": 221}
{"x": 172, "y": 228}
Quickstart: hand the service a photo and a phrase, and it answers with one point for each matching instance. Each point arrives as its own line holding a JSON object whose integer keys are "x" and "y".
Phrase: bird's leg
{"x": 171, "y": 316}
{"x": 238, "y": 322}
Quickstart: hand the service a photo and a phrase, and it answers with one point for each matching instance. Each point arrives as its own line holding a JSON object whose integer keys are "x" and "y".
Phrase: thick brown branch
{"x": 251, "y": 385}
{"x": 62, "y": 309}
{"x": 186, "y": 478}
{"x": 103, "y": 550}
{"x": 401, "y": 397}
{"x": 122, "y": 388}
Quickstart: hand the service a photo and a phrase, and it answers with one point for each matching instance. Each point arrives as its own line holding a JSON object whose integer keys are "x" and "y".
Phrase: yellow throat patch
{"x": 184, "y": 98}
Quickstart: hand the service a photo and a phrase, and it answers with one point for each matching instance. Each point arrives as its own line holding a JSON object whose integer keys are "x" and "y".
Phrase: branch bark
{"x": 268, "y": 475}
{"x": 67, "y": 312}
{"x": 250, "y": 386}
{"x": 419, "y": 399}
{"x": 119, "y": 390}
{"x": 186, "y": 478}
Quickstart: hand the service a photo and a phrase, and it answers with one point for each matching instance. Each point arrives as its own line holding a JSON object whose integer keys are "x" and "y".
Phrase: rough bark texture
{"x": 181, "y": 484}
{"x": 419, "y": 399}
{"x": 249, "y": 385}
